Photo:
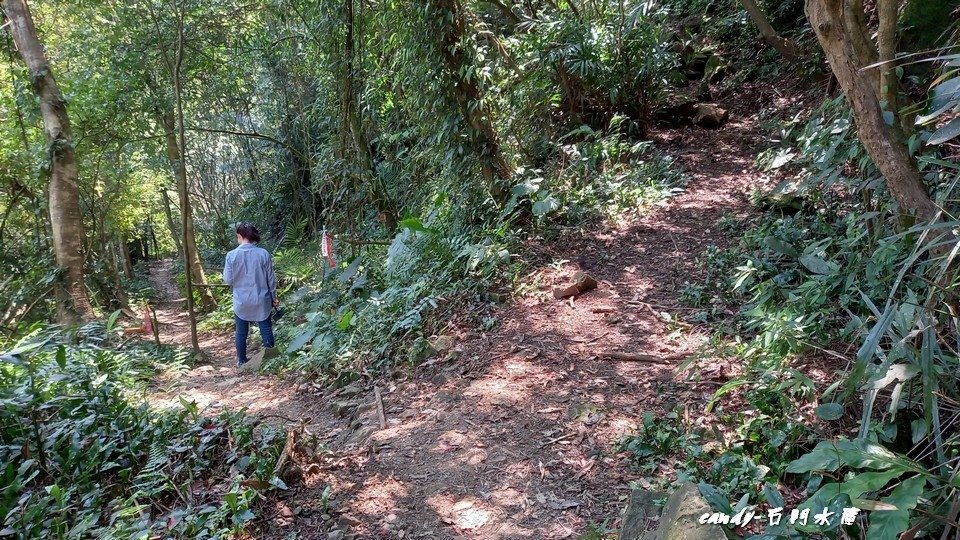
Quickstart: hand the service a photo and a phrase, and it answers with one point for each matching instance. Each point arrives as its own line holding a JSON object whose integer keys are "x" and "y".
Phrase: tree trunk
{"x": 506, "y": 11}
{"x": 854, "y": 16}
{"x": 189, "y": 244}
{"x": 73, "y": 305}
{"x": 493, "y": 162}
{"x": 352, "y": 132}
{"x": 125, "y": 257}
{"x": 171, "y": 224}
{"x": 889, "y": 84}
{"x": 784, "y": 46}
{"x": 891, "y": 157}
{"x": 112, "y": 253}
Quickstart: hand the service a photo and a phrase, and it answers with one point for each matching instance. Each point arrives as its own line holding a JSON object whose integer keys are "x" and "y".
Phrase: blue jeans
{"x": 243, "y": 329}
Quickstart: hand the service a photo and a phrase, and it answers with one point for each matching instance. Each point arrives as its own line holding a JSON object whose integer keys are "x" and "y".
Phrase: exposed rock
{"x": 228, "y": 382}
{"x": 361, "y": 435}
{"x": 419, "y": 351}
{"x": 681, "y": 514}
{"x": 351, "y": 390}
{"x": 584, "y": 282}
{"x": 343, "y": 408}
{"x": 710, "y": 116}
{"x": 641, "y": 512}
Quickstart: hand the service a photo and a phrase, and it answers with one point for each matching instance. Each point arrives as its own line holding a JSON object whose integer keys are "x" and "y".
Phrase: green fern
{"x": 295, "y": 233}
{"x": 150, "y": 481}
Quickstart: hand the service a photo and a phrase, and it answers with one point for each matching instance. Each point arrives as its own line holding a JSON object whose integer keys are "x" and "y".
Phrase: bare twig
{"x": 361, "y": 242}
{"x": 380, "y": 414}
{"x": 287, "y": 450}
{"x": 638, "y": 357}
{"x": 558, "y": 439}
{"x": 601, "y": 336}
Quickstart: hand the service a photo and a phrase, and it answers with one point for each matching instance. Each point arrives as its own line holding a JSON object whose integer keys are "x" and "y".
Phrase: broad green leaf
{"x": 780, "y": 246}
{"x": 62, "y": 357}
{"x": 772, "y": 494}
{"x": 945, "y": 94}
{"x": 861, "y": 454}
{"x": 302, "y": 339}
{"x": 717, "y": 499}
{"x": 415, "y": 225}
{"x": 888, "y": 524}
{"x": 866, "y": 482}
{"x": 527, "y": 187}
{"x": 345, "y": 320}
{"x": 111, "y": 321}
{"x": 544, "y": 206}
{"x": 918, "y": 430}
{"x": 816, "y": 264}
{"x": 350, "y": 270}
{"x": 824, "y": 457}
{"x": 830, "y": 411}
{"x": 948, "y": 132}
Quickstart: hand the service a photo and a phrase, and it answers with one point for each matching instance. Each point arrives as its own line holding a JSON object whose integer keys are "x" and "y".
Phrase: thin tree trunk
{"x": 111, "y": 252}
{"x": 506, "y": 11}
{"x": 125, "y": 257}
{"x": 887, "y": 40}
{"x": 891, "y": 157}
{"x": 188, "y": 241}
{"x": 191, "y": 256}
{"x": 494, "y": 165}
{"x": 784, "y": 46}
{"x": 352, "y": 129}
{"x": 854, "y": 17}
{"x": 73, "y": 305}
{"x": 153, "y": 237}
{"x": 171, "y": 224}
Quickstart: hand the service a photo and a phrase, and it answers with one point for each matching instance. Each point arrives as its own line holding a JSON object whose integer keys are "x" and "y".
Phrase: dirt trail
{"x": 215, "y": 384}
{"x": 516, "y": 436}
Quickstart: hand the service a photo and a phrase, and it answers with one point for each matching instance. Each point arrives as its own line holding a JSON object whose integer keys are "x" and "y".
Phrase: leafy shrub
{"x": 85, "y": 457}
{"x": 375, "y": 309}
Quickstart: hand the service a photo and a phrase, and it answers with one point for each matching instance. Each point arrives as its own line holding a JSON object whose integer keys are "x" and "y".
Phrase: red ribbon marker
{"x": 326, "y": 248}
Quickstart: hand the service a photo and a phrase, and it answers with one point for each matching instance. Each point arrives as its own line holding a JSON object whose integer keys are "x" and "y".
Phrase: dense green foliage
{"x": 431, "y": 139}
{"x": 84, "y": 456}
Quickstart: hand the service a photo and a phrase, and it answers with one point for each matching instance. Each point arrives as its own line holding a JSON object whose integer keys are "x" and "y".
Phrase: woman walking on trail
{"x": 249, "y": 271}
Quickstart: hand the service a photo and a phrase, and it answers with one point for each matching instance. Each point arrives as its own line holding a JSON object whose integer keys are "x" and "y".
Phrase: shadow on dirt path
{"x": 514, "y": 434}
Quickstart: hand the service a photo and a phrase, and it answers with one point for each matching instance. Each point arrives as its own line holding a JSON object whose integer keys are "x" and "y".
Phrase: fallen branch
{"x": 601, "y": 336}
{"x": 662, "y": 308}
{"x": 380, "y": 414}
{"x": 287, "y": 450}
{"x": 558, "y": 439}
{"x": 637, "y": 357}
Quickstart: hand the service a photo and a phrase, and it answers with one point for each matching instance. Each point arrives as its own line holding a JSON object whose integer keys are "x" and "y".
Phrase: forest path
{"x": 215, "y": 384}
{"x": 515, "y": 435}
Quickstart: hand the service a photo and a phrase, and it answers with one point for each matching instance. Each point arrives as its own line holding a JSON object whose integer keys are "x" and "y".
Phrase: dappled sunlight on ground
{"x": 517, "y": 434}
{"x": 379, "y": 496}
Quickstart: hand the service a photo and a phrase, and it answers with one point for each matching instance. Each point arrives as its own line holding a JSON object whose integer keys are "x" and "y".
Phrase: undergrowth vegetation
{"x": 828, "y": 425}
{"x": 84, "y": 456}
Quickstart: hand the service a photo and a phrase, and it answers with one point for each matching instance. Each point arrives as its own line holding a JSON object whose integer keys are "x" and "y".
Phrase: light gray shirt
{"x": 249, "y": 270}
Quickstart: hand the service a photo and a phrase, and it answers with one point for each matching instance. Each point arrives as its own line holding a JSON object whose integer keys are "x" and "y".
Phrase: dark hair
{"x": 248, "y": 231}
